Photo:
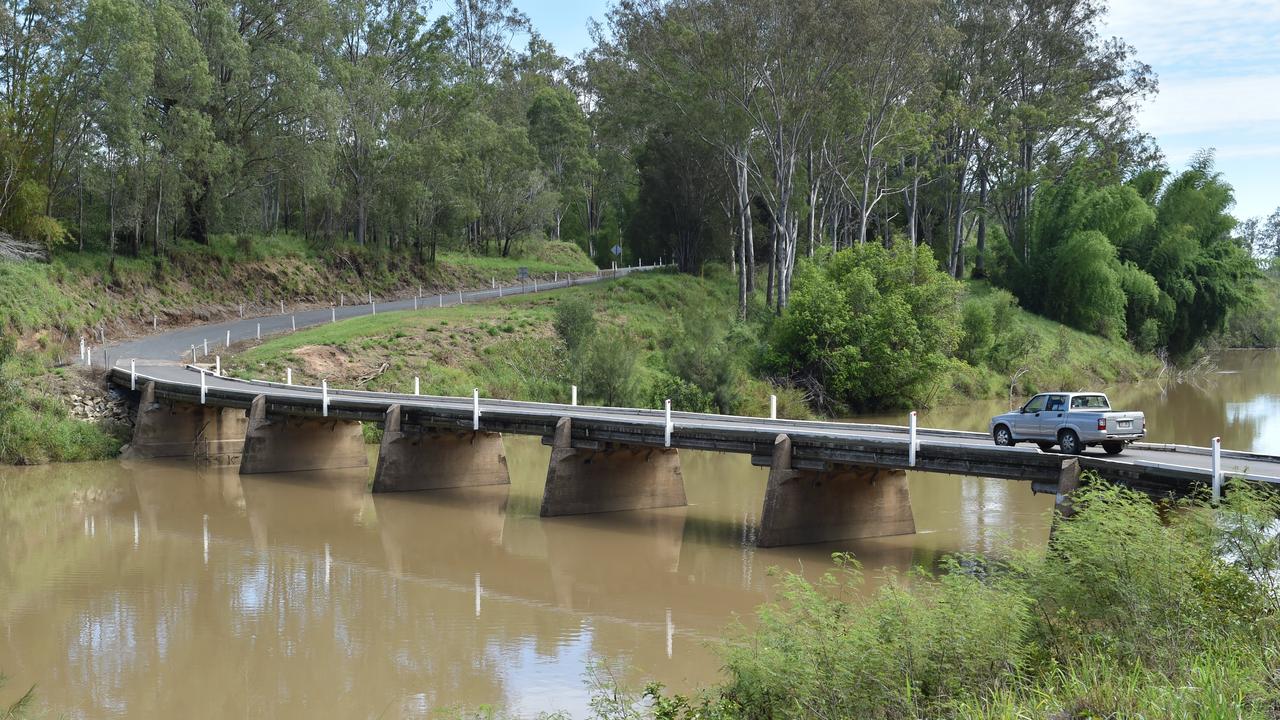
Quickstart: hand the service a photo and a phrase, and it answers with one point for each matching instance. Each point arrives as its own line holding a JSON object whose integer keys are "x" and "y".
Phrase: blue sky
{"x": 1218, "y": 63}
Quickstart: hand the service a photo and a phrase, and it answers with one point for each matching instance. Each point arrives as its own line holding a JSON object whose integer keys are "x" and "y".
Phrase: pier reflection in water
{"x": 163, "y": 590}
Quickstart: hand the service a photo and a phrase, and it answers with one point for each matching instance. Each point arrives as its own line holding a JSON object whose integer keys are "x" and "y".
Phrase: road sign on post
{"x": 617, "y": 250}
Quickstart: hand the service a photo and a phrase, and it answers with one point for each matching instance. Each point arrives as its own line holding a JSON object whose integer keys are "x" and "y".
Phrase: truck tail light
{"x": 1102, "y": 423}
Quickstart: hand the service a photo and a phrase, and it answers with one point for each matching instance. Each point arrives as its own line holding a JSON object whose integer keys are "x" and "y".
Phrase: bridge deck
{"x": 816, "y": 445}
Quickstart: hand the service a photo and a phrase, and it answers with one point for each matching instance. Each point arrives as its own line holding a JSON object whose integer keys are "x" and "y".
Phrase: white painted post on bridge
{"x": 475, "y": 408}
{"x": 324, "y": 398}
{"x": 574, "y": 400}
{"x": 217, "y": 365}
{"x": 1217, "y": 469}
{"x": 417, "y": 387}
{"x": 133, "y": 376}
{"x": 911, "y": 440}
{"x": 288, "y": 376}
{"x": 202, "y": 387}
{"x": 773, "y": 407}
{"x": 667, "y": 430}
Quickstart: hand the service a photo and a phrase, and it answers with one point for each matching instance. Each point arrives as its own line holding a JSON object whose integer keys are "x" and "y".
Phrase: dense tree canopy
{"x": 995, "y": 136}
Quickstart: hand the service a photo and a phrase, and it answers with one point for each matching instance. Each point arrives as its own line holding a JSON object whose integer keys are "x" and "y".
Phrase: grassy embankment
{"x": 46, "y": 307}
{"x": 510, "y": 348}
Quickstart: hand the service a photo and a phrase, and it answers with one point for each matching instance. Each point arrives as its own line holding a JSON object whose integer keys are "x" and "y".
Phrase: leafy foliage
{"x": 869, "y": 328}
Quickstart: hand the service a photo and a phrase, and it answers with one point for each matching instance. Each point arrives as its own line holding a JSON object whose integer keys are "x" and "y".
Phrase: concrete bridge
{"x": 827, "y": 480}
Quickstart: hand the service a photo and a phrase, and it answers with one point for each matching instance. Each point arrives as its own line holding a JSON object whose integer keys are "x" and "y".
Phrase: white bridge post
{"x": 288, "y": 376}
{"x": 324, "y": 398}
{"x": 202, "y": 386}
{"x": 217, "y": 366}
{"x": 1217, "y": 470}
{"x": 133, "y": 376}
{"x": 417, "y": 387}
{"x": 574, "y": 400}
{"x": 773, "y": 407}
{"x": 911, "y": 446}
{"x": 666, "y": 441}
{"x": 475, "y": 408}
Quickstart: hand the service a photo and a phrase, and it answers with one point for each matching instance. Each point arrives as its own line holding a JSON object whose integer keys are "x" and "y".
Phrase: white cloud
{"x": 1199, "y": 105}
{"x": 1199, "y": 36}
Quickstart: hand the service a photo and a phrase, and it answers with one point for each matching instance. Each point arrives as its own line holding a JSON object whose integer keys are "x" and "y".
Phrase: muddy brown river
{"x": 162, "y": 590}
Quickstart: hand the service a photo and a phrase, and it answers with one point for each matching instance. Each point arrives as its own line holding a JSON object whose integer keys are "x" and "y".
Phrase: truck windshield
{"x": 1090, "y": 402}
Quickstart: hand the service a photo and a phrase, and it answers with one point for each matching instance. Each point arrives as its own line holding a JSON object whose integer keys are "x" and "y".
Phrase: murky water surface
{"x": 159, "y": 590}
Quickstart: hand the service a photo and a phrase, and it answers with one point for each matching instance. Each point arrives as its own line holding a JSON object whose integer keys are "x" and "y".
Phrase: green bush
{"x": 1133, "y": 610}
{"x": 575, "y": 322}
{"x": 871, "y": 328}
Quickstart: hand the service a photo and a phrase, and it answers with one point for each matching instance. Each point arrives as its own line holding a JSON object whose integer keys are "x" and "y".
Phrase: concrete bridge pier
{"x": 609, "y": 477}
{"x": 433, "y": 459}
{"x": 174, "y": 429}
{"x": 841, "y": 503}
{"x": 294, "y": 444}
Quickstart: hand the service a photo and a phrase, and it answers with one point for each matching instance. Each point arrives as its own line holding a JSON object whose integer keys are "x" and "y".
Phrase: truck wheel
{"x": 1045, "y": 445}
{"x": 1113, "y": 448}
{"x": 1069, "y": 441}
{"x": 1002, "y": 436}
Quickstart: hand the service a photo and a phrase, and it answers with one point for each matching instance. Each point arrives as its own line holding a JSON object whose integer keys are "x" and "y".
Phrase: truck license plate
{"x": 1126, "y": 424}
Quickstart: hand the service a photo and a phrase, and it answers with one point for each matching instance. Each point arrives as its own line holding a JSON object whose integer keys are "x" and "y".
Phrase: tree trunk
{"x": 155, "y": 241}
{"x": 979, "y": 260}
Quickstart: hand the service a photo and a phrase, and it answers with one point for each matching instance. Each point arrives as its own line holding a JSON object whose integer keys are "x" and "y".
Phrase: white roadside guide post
{"x": 228, "y": 343}
{"x": 441, "y": 297}
{"x": 206, "y": 346}
{"x": 912, "y": 442}
{"x": 259, "y": 331}
{"x": 773, "y": 407}
{"x": 1217, "y": 469}
{"x": 373, "y": 308}
{"x": 667, "y": 431}
{"x": 88, "y": 355}
{"x": 81, "y": 347}
{"x": 324, "y": 398}
{"x": 459, "y": 296}
{"x": 333, "y": 315}
{"x": 342, "y": 299}
{"x": 475, "y": 408}
{"x": 133, "y": 376}
{"x": 193, "y": 354}
{"x": 155, "y": 321}
{"x": 370, "y": 294}
{"x": 415, "y": 303}
{"x": 288, "y": 376}
{"x": 293, "y": 322}
{"x": 417, "y": 387}
{"x": 281, "y": 307}
{"x": 574, "y": 401}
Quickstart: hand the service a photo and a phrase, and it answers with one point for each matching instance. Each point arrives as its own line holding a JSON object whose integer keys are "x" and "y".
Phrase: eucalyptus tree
{"x": 388, "y": 75}
{"x": 559, "y": 132}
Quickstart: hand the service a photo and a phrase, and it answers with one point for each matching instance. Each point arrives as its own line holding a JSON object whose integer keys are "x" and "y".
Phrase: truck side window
{"x": 1035, "y": 404}
{"x": 1057, "y": 403}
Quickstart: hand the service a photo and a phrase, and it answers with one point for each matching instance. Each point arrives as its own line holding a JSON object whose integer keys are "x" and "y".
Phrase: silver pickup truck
{"x": 1072, "y": 421}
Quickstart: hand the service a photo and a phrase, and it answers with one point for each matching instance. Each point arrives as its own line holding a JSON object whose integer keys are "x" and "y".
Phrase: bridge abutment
{"x": 842, "y": 503}
{"x": 295, "y": 444}
{"x": 433, "y": 459}
{"x": 174, "y": 429}
{"x": 609, "y": 478}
